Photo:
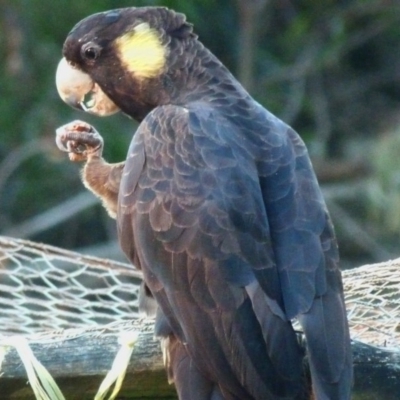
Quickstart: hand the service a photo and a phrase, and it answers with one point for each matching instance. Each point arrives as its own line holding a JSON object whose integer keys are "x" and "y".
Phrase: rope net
{"x": 44, "y": 288}
{"x": 49, "y": 292}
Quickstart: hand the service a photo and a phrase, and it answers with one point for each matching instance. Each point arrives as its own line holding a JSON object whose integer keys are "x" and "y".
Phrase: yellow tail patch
{"x": 141, "y": 51}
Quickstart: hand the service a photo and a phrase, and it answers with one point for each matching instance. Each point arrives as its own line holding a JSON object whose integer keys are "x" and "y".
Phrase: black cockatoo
{"x": 217, "y": 204}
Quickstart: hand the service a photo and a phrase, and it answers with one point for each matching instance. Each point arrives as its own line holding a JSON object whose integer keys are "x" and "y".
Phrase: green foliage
{"x": 328, "y": 68}
{"x": 384, "y": 188}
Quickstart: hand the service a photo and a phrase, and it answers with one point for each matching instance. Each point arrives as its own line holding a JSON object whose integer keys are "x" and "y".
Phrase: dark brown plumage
{"x": 219, "y": 206}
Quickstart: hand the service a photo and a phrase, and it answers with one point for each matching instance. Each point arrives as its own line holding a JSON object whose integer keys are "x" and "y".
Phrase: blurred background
{"x": 330, "y": 69}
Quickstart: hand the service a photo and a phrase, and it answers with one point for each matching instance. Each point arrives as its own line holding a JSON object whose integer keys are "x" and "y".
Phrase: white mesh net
{"x": 373, "y": 303}
{"x": 46, "y": 289}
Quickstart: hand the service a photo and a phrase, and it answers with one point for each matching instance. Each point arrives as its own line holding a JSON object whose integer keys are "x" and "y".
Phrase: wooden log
{"x": 376, "y": 372}
{"x": 79, "y": 364}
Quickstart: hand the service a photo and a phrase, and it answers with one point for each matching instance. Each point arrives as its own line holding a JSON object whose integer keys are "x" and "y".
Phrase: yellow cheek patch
{"x": 141, "y": 51}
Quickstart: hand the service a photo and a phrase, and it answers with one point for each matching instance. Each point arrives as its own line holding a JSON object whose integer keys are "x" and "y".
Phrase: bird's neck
{"x": 202, "y": 78}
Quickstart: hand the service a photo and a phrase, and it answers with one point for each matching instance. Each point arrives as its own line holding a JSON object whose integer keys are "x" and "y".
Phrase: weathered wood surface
{"x": 79, "y": 365}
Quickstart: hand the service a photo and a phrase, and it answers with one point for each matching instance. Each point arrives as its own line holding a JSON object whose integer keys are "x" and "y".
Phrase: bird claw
{"x": 80, "y": 140}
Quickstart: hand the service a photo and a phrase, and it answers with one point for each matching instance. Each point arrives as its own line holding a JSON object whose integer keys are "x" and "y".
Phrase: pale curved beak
{"x": 77, "y": 89}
